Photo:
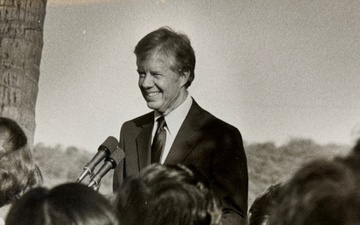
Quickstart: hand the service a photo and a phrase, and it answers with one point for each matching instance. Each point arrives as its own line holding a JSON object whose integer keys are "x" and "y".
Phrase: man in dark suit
{"x": 179, "y": 130}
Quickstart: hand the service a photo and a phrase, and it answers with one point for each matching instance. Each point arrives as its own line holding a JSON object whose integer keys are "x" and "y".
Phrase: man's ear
{"x": 184, "y": 77}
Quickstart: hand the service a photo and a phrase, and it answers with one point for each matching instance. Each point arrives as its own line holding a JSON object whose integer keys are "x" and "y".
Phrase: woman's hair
{"x": 71, "y": 203}
{"x": 176, "y": 46}
{"x": 167, "y": 195}
{"x": 12, "y": 136}
{"x": 18, "y": 172}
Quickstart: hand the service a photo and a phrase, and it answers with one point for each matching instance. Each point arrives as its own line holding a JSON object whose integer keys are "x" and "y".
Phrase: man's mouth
{"x": 153, "y": 94}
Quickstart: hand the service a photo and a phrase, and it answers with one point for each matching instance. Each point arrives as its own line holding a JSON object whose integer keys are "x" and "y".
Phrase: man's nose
{"x": 147, "y": 81}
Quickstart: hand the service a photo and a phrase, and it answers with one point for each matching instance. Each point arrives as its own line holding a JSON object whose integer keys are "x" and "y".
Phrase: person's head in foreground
{"x": 66, "y": 204}
{"x": 18, "y": 172}
{"x": 321, "y": 192}
{"x": 167, "y": 195}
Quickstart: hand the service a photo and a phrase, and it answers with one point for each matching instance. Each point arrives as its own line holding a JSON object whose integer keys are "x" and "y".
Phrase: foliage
{"x": 59, "y": 165}
{"x": 268, "y": 164}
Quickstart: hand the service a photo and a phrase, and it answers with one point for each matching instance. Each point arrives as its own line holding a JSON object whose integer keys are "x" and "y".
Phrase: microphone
{"x": 104, "y": 150}
{"x": 110, "y": 163}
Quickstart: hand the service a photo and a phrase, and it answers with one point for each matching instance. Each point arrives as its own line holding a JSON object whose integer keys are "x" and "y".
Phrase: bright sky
{"x": 274, "y": 69}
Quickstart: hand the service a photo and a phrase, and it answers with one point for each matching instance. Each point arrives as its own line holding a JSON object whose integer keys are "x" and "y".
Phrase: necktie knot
{"x": 161, "y": 123}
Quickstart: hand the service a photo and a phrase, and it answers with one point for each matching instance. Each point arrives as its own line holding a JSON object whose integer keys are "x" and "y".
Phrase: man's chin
{"x": 153, "y": 106}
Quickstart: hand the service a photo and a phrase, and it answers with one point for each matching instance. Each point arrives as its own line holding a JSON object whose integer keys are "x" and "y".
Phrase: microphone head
{"x": 110, "y": 163}
{"x": 109, "y": 145}
{"x": 116, "y": 156}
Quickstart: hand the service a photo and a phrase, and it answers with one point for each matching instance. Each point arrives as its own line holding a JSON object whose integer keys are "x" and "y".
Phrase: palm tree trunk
{"x": 21, "y": 43}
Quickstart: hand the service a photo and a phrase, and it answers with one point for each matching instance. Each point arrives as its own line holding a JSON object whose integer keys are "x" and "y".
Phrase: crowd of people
{"x": 182, "y": 165}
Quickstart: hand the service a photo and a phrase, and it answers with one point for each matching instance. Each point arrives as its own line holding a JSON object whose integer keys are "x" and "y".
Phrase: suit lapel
{"x": 188, "y": 135}
{"x": 143, "y": 144}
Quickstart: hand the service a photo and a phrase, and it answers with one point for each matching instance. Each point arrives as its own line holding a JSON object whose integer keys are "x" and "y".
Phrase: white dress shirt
{"x": 174, "y": 121}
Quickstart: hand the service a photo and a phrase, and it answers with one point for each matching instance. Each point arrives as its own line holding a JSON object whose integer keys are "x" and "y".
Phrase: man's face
{"x": 162, "y": 88}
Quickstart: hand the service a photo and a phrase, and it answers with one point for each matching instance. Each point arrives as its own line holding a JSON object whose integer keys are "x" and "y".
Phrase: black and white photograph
{"x": 179, "y": 112}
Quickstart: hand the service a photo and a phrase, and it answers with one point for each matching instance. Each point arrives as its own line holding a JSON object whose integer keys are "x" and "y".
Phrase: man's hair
{"x": 18, "y": 172}
{"x": 175, "y": 46}
{"x": 322, "y": 192}
{"x": 166, "y": 195}
{"x": 70, "y": 203}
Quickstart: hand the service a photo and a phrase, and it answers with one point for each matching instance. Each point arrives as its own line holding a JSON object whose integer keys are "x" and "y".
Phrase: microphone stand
{"x": 95, "y": 186}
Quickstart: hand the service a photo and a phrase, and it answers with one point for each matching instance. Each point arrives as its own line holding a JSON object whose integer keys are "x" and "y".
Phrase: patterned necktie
{"x": 159, "y": 141}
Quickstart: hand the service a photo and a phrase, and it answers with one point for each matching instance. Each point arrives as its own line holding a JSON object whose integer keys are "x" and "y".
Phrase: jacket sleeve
{"x": 229, "y": 165}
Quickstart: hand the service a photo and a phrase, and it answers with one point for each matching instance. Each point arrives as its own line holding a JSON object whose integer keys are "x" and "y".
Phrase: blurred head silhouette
{"x": 71, "y": 203}
{"x": 167, "y": 195}
{"x": 18, "y": 173}
{"x": 322, "y": 192}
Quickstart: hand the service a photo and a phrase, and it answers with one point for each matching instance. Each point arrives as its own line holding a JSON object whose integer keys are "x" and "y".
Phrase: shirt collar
{"x": 176, "y": 117}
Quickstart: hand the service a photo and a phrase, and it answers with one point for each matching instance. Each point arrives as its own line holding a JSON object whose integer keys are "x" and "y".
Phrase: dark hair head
{"x": 167, "y": 195}
{"x": 12, "y": 136}
{"x": 70, "y": 203}
{"x": 321, "y": 192}
{"x": 18, "y": 172}
{"x": 175, "y": 46}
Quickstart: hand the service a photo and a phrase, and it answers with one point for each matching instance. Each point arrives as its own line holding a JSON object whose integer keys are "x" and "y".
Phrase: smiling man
{"x": 178, "y": 130}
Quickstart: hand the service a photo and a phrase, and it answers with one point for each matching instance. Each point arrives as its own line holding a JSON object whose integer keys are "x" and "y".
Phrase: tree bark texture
{"x": 21, "y": 43}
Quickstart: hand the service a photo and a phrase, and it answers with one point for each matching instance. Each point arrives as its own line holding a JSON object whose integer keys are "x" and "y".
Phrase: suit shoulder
{"x": 216, "y": 123}
{"x": 141, "y": 120}
{"x": 205, "y": 119}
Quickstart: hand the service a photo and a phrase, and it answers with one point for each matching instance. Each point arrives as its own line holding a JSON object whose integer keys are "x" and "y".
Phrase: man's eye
{"x": 142, "y": 75}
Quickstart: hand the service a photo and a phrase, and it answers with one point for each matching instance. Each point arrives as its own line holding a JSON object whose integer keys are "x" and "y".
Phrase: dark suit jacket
{"x": 210, "y": 145}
